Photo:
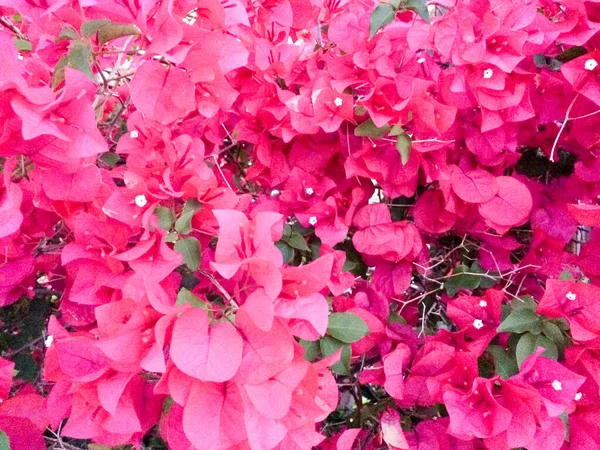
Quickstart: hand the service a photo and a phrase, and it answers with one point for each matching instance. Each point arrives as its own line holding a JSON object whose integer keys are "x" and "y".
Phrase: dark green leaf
{"x": 347, "y": 327}
{"x": 311, "y": 349}
{"x": 382, "y": 15}
{"x": 461, "y": 280}
{"x": 79, "y": 58}
{"x": 113, "y": 31}
{"x": 184, "y": 222}
{"x": 286, "y": 251}
{"x": 529, "y": 343}
{"x": 165, "y": 217}
{"x": 4, "y": 441}
{"x": 521, "y": 321}
{"x": 403, "y": 145}
{"x": 419, "y": 7}
{"x": 92, "y": 26}
{"x": 329, "y": 346}
{"x": 67, "y": 34}
{"x": 571, "y": 53}
{"x": 189, "y": 248}
{"x": 297, "y": 241}
{"x": 505, "y": 363}
{"x": 369, "y": 129}
{"x": 22, "y": 45}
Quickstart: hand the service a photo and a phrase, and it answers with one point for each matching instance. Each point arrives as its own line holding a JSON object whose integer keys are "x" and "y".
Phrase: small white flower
{"x": 557, "y": 385}
{"x": 487, "y": 73}
{"x": 309, "y": 191}
{"x": 134, "y": 134}
{"x": 49, "y": 340}
{"x": 312, "y": 220}
{"x": 571, "y": 296}
{"x": 420, "y": 60}
{"x": 338, "y": 101}
{"x": 591, "y": 64}
{"x": 275, "y": 192}
{"x": 141, "y": 200}
{"x": 483, "y": 303}
{"x": 43, "y": 279}
{"x": 478, "y": 323}
{"x": 578, "y": 396}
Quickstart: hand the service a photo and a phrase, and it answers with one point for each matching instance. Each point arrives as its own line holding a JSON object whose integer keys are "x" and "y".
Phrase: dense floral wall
{"x": 297, "y": 224}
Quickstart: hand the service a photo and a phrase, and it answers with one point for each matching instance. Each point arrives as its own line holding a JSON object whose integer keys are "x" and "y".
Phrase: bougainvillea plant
{"x": 300, "y": 224}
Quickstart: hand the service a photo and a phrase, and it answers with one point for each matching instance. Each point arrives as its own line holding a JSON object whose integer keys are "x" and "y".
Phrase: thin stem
{"x": 562, "y": 128}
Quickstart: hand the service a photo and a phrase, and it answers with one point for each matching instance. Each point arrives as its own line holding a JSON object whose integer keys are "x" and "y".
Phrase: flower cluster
{"x": 297, "y": 224}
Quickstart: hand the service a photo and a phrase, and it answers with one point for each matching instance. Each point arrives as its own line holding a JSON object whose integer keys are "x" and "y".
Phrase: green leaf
{"x": 553, "y": 332}
{"x": 311, "y": 349}
{"x": 92, "y": 26}
{"x": 22, "y": 45}
{"x": 4, "y": 441}
{"x": 329, "y": 346}
{"x": 347, "y": 327}
{"x": 521, "y": 321}
{"x": 505, "y": 363}
{"x": 571, "y": 53}
{"x": 79, "y": 58}
{"x": 395, "y": 3}
{"x": 186, "y": 296}
{"x": 525, "y": 302}
{"x": 189, "y": 248}
{"x": 403, "y": 145}
{"x": 113, "y": 31}
{"x": 297, "y": 241}
{"x": 67, "y": 34}
{"x": 565, "y": 275}
{"x": 110, "y": 159}
{"x": 184, "y": 222}
{"x": 396, "y": 130}
{"x": 459, "y": 280}
{"x": 419, "y": 7}
{"x": 286, "y": 251}
{"x": 165, "y": 217}
{"x": 529, "y": 343}
{"x": 58, "y": 76}
{"x": 369, "y": 129}
{"x": 382, "y": 15}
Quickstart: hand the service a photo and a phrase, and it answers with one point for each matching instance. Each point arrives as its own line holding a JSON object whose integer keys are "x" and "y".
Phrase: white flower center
{"x": 487, "y": 73}
{"x": 338, "y": 101}
{"x": 420, "y": 60}
{"x": 557, "y": 385}
{"x": 483, "y": 303}
{"x": 49, "y": 340}
{"x": 578, "y": 396}
{"x": 478, "y": 323}
{"x": 312, "y": 220}
{"x": 309, "y": 191}
{"x": 275, "y": 193}
{"x": 571, "y": 296}
{"x": 591, "y": 64}
{"x": 141, "y": 200}
{"x": 134, "y": 134}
